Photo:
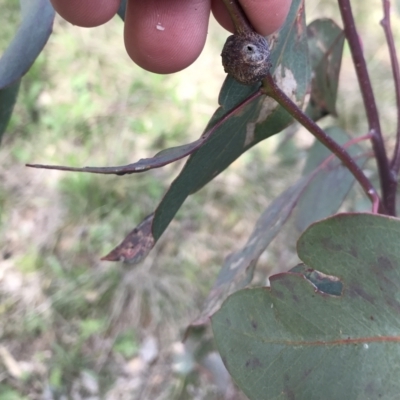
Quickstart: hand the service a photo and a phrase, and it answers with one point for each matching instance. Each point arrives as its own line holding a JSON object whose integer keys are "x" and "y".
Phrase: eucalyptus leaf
{"x": 325, "y": 194}
{"x": 325, "y": 43}
{"x": 8, "y": 97}
{"x": 29, "y": 40}
{"x": 296, "y": 340}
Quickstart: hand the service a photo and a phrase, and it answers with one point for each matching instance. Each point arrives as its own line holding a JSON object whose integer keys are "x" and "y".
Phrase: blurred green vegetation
{"x": 70, "y": 321}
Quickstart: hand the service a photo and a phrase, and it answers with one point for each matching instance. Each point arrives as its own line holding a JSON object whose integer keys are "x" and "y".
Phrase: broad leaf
{"x": 299, "y": 340}
{"x": 32, "y": 35}
{"x": 257, "y": 121}
{"x": 325, "y": 194}
{"x": 325, "y": 43}
{"x": 8, "y": 96}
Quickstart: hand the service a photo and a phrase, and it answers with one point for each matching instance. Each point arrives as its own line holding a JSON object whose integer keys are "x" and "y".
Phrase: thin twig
{"x": 239, "y": 18}
{"x": 387, "y": 28}
{"x": 387, "y": 180}
{"x": 273, "y": 90}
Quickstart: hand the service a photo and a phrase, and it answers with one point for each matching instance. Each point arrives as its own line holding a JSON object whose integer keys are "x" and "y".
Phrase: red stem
{"x": 273, "y": 90}
{"x": 387, "y": 28}
{"x": 238, "y": 17}
{"x": 387, "y": 179}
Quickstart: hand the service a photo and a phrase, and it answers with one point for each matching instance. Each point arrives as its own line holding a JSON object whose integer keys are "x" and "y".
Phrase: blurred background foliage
{"x": 74, "y": 327}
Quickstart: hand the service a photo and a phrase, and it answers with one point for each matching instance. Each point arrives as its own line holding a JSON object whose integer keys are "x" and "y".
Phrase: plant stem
{"x": 273, "y": 90}
{"x": 238, "y": 17}
{"x": 387, "y": 179}
{"x": 387, "y": 28}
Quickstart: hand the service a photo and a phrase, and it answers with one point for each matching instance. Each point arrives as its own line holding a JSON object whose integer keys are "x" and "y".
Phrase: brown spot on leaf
{"x": 385, "y": 264}
{"x": 329, "y": 244}
{"x": 393, "y": 303}
{"x": 254, "y": 363}
{"x": 136, "y": 246}
{"x": 354, "y": 251}
{"x": 307, "y": 372}
{"x": 356, "y": 290}
{"x": 254, "y": 324}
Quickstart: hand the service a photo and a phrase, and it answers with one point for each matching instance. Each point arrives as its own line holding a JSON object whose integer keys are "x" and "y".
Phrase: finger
{"x": 266, "y": 16}
{"x": 166, "y": 36}
{"x": 86, "y": 13}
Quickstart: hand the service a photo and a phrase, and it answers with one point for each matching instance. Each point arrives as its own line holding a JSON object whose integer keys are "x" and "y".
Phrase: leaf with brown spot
{"x": 137, "y": 244}
{"x": 314, "y": 339}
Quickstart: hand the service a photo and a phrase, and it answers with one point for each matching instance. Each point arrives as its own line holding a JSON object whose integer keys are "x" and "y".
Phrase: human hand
{"x": 166, "y": 36}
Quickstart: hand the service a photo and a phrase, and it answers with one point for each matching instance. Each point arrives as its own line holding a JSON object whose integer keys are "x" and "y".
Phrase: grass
{"x": 70, "y": 323}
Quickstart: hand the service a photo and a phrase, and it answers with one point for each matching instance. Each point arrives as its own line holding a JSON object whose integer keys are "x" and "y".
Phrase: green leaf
{"x": 296, "y": 341}
{"x": 325, "y": 43}
{"x": 28, "y": 42}
{"x": 257, "y": 121}
{"x": 326, "y": 193}
{"x": 162, "y": 158}
{"x": 8, "y": 97}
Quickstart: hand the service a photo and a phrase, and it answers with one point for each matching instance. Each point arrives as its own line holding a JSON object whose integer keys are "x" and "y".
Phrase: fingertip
{"x": 165, "y": 36}
{"x": 267, "y": 16}
{"x": 221, "y": 15}
{"x": 86, "y": 13}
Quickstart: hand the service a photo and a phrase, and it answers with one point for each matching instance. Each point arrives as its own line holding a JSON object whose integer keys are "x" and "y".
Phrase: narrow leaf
{"x": 136, "y": 245}
{"x": 8, "y": 97}
{"x": 325, "y": 194}
{"x": 325, "y": 42}
{"x": 28, "y": 42}
{"x": 297, "y": 340}
{"x": 162, "y": 158}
